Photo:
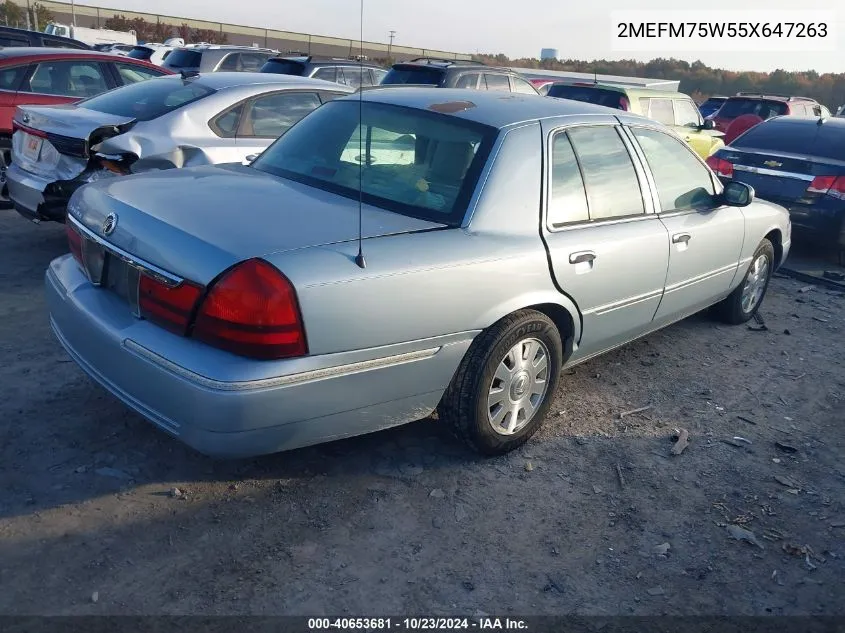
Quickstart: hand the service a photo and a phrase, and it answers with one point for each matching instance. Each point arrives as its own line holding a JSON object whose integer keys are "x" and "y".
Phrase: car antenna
{"x": 359, "y": 258}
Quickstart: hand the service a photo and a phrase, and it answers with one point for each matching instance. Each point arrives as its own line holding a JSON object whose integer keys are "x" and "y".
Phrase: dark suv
{"x": 451, "y": 73}
{"x": 765, "y": 106}
{"x": 10, "y": 37}
{"x": 349, "y": 72}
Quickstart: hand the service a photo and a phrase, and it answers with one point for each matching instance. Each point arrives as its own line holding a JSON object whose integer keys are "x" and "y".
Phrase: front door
{"x": 609, "y": 251}
{"x": 705, "y": 237}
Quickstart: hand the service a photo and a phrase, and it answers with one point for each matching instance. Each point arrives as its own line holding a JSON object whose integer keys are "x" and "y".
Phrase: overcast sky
{"x": 519, "y": 28}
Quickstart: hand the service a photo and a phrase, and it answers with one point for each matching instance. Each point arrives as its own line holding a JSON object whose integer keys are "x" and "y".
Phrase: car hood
{"x": 198, "y": 221}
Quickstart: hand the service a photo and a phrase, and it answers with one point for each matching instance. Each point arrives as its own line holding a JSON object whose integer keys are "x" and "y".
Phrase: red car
{"x": 765, "y": 107}
{"x": 48, "y": 76}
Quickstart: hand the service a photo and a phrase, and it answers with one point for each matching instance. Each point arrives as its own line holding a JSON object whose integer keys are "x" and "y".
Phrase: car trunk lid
{"x": 197, "y": 222}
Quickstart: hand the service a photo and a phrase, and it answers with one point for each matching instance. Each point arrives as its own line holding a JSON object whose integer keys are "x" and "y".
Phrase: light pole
{"x": 73, "y": 12}
{"x": 390, "y": 46}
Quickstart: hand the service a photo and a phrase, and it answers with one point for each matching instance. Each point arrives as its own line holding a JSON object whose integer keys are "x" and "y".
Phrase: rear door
{"x": 497, "y": 82}
{"x": 705, "y": 238}
{"x": 64, "y": 81}
{"x": 608, "y": 250}
{"x": 11, "y": 80}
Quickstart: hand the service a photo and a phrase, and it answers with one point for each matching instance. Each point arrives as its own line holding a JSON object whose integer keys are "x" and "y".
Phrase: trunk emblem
{"x": 25, "y": 118}
{"x": 773, "y": 163}
{"x": 109, "y": 224}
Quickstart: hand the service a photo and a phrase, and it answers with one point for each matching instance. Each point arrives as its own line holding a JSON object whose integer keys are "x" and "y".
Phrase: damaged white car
{"x": 175, "y": 121}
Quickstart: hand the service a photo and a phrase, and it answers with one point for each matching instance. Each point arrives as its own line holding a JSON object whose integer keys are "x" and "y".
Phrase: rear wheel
{"x": 505, "y": 384}
{"x": 745, "y": 300}
{"x": 5, "y": 160}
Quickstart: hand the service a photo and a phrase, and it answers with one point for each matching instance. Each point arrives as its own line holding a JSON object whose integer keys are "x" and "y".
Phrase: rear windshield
{"x": 796, "y": 136}
{"x": 712, "y": 102}
{"x": 417, "y": 163}
{"x": 763, "y": 108}
{"x": 283, "y": 67}
{"x": 183, "y": 58}
{"x": 147, "y": 100}
{"x": 141, "y": 52}
{"x": 413, "y": 75}
{"x": 599, "y": 96}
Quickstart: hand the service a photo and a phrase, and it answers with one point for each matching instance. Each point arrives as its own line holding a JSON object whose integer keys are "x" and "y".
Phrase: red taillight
{"x": 831, "y": 185}
{"x": 29, "y": 130}
{"x": 721, "y": 167}
{"x": 624, "y": 104}
{"x": 169, "y": 307}
{"x": 252, "y": 311}
{"x": 74, "y": 240}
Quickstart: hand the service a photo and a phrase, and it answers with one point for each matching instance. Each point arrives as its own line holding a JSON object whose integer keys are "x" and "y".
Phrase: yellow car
{"x": 674, "y": 109}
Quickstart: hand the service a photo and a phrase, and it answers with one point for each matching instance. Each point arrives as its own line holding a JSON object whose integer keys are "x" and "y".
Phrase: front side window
{"x": 272, "y": 115}
{"x": 147, "y": 100}
{"x": 682, "y": 181}
{"x": 130, "y": 73}
{"x": 409, "y": 161}
{"x": 497, "y": 82}
{"x": 686, "y": 114}
{"x": 567, "y": 198}
{"x": 659, "y": 110}
{"x": 613, "y": 189}
{"x": 523, "y": 87}
{"x": 68, "y": 79}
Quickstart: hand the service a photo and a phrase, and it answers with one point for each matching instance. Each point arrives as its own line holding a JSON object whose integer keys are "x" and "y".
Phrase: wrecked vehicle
{"x": 176, "y": 121}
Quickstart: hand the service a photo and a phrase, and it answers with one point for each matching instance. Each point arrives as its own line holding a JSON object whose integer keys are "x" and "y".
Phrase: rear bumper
{"x": 226, "y": 406}
{"x": 27, "y": 192}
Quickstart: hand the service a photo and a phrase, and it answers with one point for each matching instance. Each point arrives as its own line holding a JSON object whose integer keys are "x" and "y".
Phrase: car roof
{"x": 36, "y": 51}
{"x": 225, "y": 47}
{"x": 446, "y": 64}
{"x": 802, "y": 121}
{"x": 323, "y": 61}
{"x": 628, "y": 90}
{"x": 768, "y": 97}
{"x": 222, "y": 80}
{"x": 493, "y": 108}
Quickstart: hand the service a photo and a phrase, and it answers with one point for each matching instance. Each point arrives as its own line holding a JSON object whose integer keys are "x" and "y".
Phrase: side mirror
{"x": 737, "y": 194}
{"x": 708, "y": 124}
{"x": 249, "y": 159}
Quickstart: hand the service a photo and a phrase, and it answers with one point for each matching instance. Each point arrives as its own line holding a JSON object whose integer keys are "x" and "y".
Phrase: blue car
{"x": 711, "y": 106}
{"x": 798, "y": 163}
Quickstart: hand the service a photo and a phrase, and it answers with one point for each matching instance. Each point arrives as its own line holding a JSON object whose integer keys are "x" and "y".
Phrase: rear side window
{"x": 184, "y": 58}
{"x": 567, "y": 198}
{"x": 497, "y": 82}
{"x": 69, "y": 79}
{"x": 378, "y": 75}
{"x": 147, "y": 100}
{"x": 140, "y": 52}
{"x": 659, "y": 110}
{"x": 613, "y": 189}
{"x": 230, "y": 63}
{"x": 12, "y": 41}
{"x": 796, "y": 136}
{"x": 251, "y": 62}
{"x": 585, "y": 94}
{"x": 226, "y": 124}
{"x": 523, "y": 87}
{"x": 286, "y": 67}
{"x": 10, "y": 78}
{"x": 762, "y": 108}
{"x": 271, "y": 116}
{"x": 414, "y": 75}
{"x": 350, "y": 76}
{"x": 468, "y": 80}
{"x": 327, "y": 73}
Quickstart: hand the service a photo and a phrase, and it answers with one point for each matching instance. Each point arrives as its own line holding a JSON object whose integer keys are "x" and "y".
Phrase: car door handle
{"x": 581, "y": 257}
{"x": 681, "y": 238}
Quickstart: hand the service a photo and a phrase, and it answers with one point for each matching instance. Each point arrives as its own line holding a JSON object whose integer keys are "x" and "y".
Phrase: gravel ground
{"x": 594, "y": 516}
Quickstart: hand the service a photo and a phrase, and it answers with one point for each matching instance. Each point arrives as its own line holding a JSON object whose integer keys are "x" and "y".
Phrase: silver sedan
{"x": 179, "y": 121}
{"x": 502, "y": 238}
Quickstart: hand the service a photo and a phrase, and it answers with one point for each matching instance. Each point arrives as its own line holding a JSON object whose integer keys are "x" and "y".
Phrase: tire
{"x": 5, "y": 201}
{"x": 466, "y": 405}
{"x": 737, "y": 307}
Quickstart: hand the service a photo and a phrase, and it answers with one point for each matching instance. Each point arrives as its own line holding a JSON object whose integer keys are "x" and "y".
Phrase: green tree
{"x": 12, "y": 14}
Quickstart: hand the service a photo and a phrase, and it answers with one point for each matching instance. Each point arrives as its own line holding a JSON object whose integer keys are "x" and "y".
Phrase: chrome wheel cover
{"x": 755, "y": 283}
{"x": 518, "y": 387}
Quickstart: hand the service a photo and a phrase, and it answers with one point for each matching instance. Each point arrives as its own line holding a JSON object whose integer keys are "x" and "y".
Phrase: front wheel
{"x": 505, "y": 384}
{"x": 745, "y": 300}
{"x": 5, "y": 160}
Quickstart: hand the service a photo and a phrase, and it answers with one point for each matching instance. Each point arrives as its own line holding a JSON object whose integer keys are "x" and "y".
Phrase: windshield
{"x": 141, "y": 52}
{"x": 764, "y": 109}
{"x": 599, "y": 96}
{"x": 795, "y": 136}
{"x": 413, "y": 162}
{"x": 283, "y": 67}
{"x": 413, "y": 75}
{"x": 147, "y": 100}
{"x": 183, "y": 58}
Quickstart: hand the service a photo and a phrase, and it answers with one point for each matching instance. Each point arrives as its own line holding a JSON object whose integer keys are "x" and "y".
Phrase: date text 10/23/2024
{"x": 417, "y": 624}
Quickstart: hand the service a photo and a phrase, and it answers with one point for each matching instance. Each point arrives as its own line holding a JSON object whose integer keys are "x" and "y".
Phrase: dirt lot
{"x": 407, "y": 521}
